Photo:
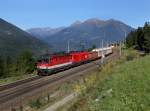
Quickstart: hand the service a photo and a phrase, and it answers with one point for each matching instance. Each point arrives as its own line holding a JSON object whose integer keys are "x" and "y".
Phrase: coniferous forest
{"x": 140, "y": 38}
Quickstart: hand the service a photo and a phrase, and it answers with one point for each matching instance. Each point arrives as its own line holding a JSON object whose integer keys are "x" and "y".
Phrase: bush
{"x": 35, "y": 104}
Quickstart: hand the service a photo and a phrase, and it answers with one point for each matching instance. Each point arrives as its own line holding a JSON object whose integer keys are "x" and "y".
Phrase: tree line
{"x": 22, "y": 64}
{"x": 140, "y": 38}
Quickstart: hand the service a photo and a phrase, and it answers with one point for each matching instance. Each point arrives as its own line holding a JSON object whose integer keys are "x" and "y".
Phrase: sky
{"x": 56, "y": 13}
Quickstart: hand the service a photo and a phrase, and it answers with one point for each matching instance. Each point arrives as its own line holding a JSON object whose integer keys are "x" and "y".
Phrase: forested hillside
{"x": 13, "y": 41}
{"x": 18, "y": 50}
{"x": 140, "y": 38}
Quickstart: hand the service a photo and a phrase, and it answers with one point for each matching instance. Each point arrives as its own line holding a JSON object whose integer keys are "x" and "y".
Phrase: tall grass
{"x": 119, "y": 86}
{"x": 130, "y": 88}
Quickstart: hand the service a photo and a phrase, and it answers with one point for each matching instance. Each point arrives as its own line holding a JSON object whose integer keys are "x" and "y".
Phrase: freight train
{"x": 48, "y": 65}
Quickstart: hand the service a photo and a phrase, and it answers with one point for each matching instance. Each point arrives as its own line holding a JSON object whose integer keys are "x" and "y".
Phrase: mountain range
{"x": 14, "y": 40}
{"x": 83, "y": 34}
{"x": 43, "y": 33}
{"x": 80, "y": 34}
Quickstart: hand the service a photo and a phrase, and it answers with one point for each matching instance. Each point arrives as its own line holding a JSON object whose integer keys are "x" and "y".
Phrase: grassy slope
{"x": 130, "y": 84}
{"x": 121, "y": 85}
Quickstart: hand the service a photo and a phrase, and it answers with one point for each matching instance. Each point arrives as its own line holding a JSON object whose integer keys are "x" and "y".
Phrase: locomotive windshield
{"x": 44, "y": 59}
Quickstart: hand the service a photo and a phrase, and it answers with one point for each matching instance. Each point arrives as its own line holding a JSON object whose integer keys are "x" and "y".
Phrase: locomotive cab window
{"x": 44, "y": 59}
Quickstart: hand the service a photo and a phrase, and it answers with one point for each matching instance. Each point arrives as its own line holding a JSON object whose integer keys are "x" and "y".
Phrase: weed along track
{"x": 15, "y": 95}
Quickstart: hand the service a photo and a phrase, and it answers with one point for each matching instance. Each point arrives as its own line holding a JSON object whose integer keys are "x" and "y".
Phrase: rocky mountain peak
{"x": 76, "y": 23}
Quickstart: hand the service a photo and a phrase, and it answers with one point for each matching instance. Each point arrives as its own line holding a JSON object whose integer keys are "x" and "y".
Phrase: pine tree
{"x": 146, "y": 31}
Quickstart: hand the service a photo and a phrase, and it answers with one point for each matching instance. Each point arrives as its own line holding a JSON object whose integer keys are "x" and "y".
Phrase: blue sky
{"x": 55, "y": 13}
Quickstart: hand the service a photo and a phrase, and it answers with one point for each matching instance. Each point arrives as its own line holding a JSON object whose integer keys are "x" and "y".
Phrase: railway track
{"x": 27, "y": 87}
{"x": 19, "y": 82}
{"x": 19, "y": 88}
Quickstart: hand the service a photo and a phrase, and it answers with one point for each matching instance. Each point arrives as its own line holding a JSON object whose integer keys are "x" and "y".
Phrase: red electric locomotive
{"x": 78, "y": 57}
{"x": 51, "y": 64}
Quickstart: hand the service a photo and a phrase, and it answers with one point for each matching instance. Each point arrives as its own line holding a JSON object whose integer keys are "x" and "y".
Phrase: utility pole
{"x": 120, "y": 49}
{"x": 102, "y": 59}
{"x": 107, "y": 43}
{"x": 104, "y": 35}
{"x": 103, "y": 56}
{"x": 125, "y": 35}
{"x": 68, "y": 46}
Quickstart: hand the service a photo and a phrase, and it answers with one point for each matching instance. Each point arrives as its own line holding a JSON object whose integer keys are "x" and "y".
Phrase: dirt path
{"x": 62, "y": 102}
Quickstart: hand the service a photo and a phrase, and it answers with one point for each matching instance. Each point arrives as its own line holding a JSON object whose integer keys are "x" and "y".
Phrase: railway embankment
{"x": 122, "y": 85}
